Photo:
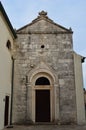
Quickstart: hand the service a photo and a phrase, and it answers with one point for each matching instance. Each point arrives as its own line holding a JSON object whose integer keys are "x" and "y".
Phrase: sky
{"x": 68, "y": 13}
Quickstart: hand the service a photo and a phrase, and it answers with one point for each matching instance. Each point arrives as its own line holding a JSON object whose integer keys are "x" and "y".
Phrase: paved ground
{"x": 48, "y": 127}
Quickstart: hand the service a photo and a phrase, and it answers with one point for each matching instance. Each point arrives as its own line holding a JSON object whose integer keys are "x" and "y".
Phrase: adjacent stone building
{"x": 7, "y": 37}
{"x": 48, "y": 83}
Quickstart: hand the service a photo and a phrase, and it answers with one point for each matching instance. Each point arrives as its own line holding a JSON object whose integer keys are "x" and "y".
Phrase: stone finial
{"x": 43, "y": 13}
{"x": 70, "y": 29}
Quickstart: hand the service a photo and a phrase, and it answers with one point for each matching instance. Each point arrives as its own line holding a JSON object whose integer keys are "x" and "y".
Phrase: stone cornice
{"x": 40, "y": 32}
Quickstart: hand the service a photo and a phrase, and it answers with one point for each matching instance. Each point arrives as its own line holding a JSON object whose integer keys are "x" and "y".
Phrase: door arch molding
{"x": 38, "y": 72}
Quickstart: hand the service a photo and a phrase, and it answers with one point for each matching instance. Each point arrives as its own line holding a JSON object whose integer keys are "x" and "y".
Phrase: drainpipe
{"x": 12, "y": 82}
{"x": 26, "y": 96}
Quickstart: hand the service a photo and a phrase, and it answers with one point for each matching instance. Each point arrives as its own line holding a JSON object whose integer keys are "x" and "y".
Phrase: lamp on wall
{"x": 83, "y": 59}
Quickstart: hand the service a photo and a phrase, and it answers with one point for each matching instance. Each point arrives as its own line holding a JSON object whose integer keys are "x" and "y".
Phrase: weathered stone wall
{"x": 35, "y": 44}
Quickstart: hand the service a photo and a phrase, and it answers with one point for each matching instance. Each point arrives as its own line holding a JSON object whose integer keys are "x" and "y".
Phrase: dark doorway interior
{"x": 42, "y": 105}
{"x": 42, "y": 81}
{"x": 6, "y": 111}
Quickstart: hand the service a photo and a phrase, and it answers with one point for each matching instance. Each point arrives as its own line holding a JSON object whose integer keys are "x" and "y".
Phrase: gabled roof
{"x": 2, "y": 10}
{"x": 43, "y": 16}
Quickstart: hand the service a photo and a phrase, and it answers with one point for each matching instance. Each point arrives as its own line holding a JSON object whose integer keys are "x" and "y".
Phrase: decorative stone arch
{"x": 41, "y": 71}
{"x": 31, "y": 90}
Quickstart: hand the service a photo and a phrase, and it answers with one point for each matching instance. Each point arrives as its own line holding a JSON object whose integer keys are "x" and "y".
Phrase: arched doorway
{"x": 41, "y": 85}
{"x": 42, "y": 100}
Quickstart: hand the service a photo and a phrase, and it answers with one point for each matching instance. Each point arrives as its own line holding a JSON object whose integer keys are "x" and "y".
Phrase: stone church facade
{"x": 45, "y": 75}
